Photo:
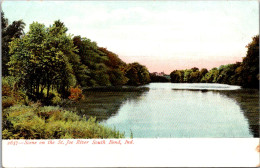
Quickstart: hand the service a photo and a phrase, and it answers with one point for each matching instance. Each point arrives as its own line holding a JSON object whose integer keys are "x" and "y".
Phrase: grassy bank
{"x": 24, "y": 119}
{"x": 49, "y": 122}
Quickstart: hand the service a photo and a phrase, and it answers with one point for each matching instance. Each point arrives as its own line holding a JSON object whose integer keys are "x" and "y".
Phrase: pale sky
{"x": 162, "y": 35}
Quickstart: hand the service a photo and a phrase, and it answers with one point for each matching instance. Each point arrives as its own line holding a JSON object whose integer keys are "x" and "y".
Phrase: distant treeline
{"x": 48, "y": 58}
{"x": 156, "y": 78}
{"x": 245, "y": 73}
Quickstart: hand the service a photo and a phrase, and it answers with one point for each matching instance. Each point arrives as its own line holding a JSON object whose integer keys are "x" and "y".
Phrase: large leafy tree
{"x": 41, "y": 59}
{"x": 250, "y": 64}
{"x": 137, "y": 74}
{"x": 9, "y": 32}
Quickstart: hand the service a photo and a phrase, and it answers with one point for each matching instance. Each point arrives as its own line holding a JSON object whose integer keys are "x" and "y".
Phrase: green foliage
{"x": 11, "y": 94}
{"x": 47, "y": 59}
{"x": 250, "y": 65}
{"x": 245, "y": 74}
{"x": 91, "y": 70}
{"x": 229, "y": 74}
{"x": 195, "y": 75}
{"x": 116, "y": 77}
{"x": 9, "y": 32}
{"x": 115, "y": 68}
{"x": 48, "y": 122}
{"x": 203, "y": 72}
{"x": 211, "y": 76}
{"x": 137, "y": 74}
{"x": 188, "y": 76}
{"x": 41, "y": 59}
{"x": 177, "y": 76}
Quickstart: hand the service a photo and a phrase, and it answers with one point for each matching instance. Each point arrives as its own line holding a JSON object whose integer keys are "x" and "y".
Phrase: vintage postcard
{"x": 130, "y": 83}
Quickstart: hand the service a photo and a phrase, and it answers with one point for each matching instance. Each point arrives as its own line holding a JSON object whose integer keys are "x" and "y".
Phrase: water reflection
{"x": 248, "y": 100}
{"x": 164, "y": 112}
{"x": 187, "y": 112}
{"x": 104, "y": 104}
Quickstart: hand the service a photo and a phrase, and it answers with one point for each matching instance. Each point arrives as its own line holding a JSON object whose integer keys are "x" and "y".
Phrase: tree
{"x": 93, "y": 59}
{"x": 41, "y": 59}
{"x": 186, "y": 77}
{"x": 9, "y": 32}
{"x": 175, "y": 76}
{"x": 137, "y": 74}
{"x": 4, "y": 21}
{"x": 115, "y": 68}
{"x": 228, "y": 74}
{"x": 250, "y": 64}
{"x": 195, "y": 76}
{"x": 211, "y": 76}
{"x": 194, "y": 69}
{"x": 203, "y": 72}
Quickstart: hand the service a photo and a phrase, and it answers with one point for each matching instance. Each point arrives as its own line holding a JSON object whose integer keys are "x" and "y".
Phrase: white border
{"x": 181, "y": 152}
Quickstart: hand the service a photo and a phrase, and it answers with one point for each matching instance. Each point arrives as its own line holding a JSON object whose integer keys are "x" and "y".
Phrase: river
{"x": 168, "y": 110}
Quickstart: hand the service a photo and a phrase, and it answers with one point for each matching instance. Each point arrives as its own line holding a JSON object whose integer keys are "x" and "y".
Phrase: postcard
{"x": 130, "y": 83}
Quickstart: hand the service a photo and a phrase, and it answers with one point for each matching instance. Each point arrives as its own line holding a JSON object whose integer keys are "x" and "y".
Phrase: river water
{"x": 169, "y": 110}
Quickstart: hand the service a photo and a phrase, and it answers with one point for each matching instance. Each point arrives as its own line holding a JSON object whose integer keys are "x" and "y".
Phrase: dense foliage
{"x": 48, "y": 59}
{"x": 9, "y": 32}
{"x": 48, "y": 65}
{"x": 250, "y": 65}
{"x": 137, "y": 74}
{"x": 35, "y": 122}
{"x": 245, "y": 74}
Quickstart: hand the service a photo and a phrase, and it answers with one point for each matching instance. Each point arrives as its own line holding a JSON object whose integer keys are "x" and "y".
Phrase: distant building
{"x": 155, "y": 73}
{"x": 161, "y": 74}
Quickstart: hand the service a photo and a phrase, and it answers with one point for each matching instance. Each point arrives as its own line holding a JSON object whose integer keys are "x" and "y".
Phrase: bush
{"x": 7, "y": 102}
{"x": 26, "y": 125}
{"x": 76, "y": 94}
{"x": 56, "y": 100}
{"x": 48, "y": 122}
{"x": 10, "y": 92}
{"x": 6, "y": 90}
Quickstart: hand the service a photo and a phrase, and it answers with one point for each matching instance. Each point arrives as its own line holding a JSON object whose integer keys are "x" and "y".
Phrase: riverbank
{"x": 117, "y": 89}
{"x": 48, "y": 122}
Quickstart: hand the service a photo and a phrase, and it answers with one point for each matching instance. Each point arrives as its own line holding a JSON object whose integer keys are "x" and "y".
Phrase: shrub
{"x": 76, "y": 94}
{"x": 6, "y": 90}
{"x": 7, "y": 134}
{"x": 10, "y": 92}
{"x": 56, "y": 100}
{"x": 7, "y": 102}
{"x": 25, "y": 124}
{"x": 48, "y": 122}
{"x": 55, "y": 130}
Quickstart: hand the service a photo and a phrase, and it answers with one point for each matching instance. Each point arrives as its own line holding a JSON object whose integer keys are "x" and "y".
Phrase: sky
{"x": 162, "y": 35}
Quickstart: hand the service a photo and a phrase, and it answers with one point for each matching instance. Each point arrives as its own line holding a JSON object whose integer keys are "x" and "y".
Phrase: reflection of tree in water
{"x": 103, "y": 105}
{"x": 248, "y": 100}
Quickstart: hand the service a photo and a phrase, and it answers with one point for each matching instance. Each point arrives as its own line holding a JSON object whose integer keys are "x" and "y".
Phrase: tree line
{"x": 245, "y": 73}
{"x": 48, "y": 58}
